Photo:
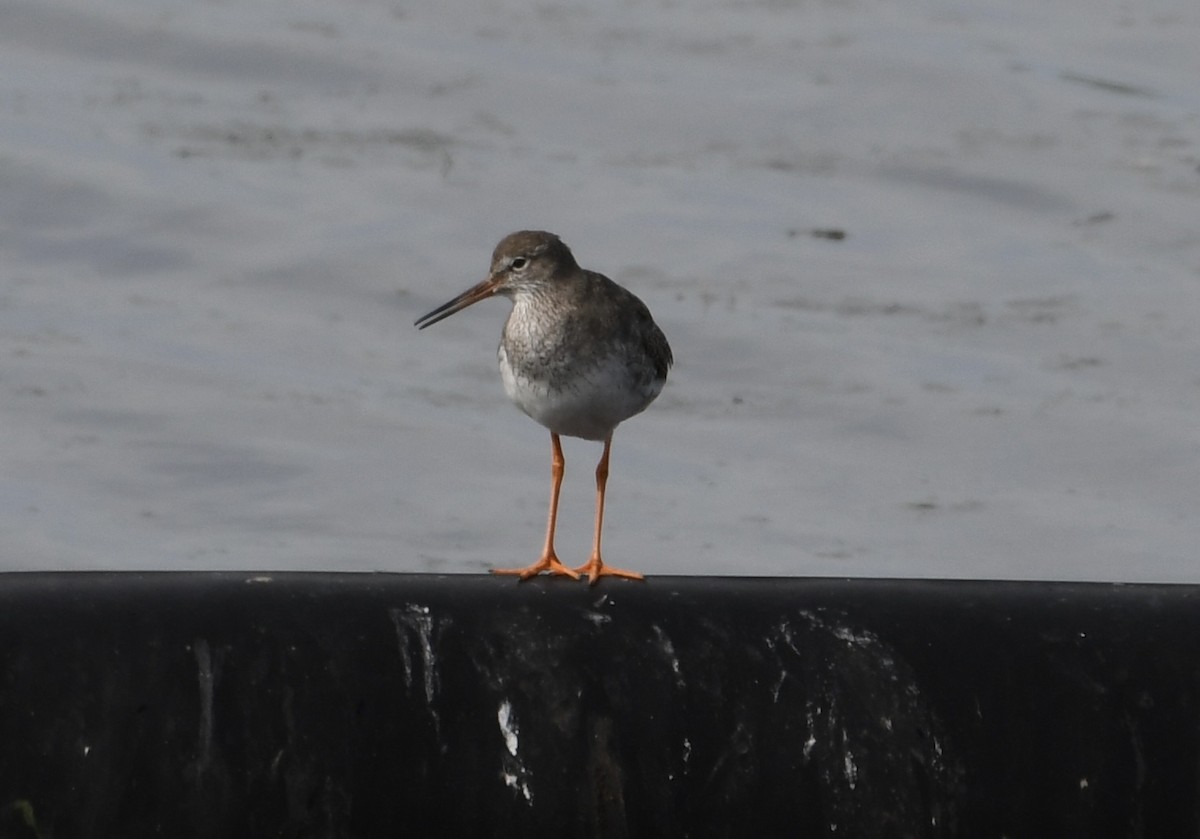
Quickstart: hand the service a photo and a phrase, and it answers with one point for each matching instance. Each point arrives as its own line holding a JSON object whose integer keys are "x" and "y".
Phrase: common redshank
{"x": 579, "y": 354}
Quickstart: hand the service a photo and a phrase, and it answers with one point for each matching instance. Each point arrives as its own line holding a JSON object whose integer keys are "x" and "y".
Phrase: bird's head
{"x": 522, "y": 262}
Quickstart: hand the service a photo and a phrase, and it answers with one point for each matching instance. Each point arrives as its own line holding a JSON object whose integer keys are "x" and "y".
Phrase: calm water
{"x": 221, "y": 219}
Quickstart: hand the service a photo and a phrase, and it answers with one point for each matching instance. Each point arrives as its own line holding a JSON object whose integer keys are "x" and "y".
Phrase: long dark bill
{"x": 472, "y": 295}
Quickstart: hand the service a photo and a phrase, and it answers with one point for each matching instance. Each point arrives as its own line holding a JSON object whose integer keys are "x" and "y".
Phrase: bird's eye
{"x": 519, "y": 263}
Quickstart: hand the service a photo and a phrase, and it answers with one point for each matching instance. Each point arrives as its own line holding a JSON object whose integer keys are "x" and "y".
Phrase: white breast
{"x": 589, "y": 404}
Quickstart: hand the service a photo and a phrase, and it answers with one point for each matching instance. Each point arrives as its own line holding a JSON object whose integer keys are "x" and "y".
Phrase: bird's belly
{"x": 584, "y": 403}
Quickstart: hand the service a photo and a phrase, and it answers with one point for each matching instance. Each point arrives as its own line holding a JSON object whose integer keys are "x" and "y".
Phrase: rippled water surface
{"x": 219, "y": 221}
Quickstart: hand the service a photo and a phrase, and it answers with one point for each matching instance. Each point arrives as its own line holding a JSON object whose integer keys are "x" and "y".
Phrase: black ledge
{"x": 343, "y": 705}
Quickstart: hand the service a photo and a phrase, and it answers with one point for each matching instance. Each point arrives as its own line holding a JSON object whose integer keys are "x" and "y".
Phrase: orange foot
{"x": 595, "y": 568}
{"x": 549, "y": 562}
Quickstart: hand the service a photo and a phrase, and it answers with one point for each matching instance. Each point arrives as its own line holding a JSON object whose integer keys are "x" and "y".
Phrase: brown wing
{"x": 627, "y": 319}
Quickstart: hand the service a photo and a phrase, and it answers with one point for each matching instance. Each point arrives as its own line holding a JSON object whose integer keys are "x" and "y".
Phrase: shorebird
{"x": 579, "y": 354}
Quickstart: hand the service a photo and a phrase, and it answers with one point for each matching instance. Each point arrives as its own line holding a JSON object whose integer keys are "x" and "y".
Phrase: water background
{"x": 218, "y": 221}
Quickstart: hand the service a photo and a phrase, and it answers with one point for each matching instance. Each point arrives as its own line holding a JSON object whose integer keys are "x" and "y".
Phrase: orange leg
{"x": 595, "y": 567}
{"x": 549, "y": 560}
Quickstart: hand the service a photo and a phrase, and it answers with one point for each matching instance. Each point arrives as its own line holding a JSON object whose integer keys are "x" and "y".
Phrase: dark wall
{"x": 325, "y": 705}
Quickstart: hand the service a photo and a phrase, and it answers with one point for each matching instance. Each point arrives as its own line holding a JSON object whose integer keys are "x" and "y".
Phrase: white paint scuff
{"x": 668, "y": 650}
{"x": 416, "y": 620}
{"x": 851, "y": 769}
{"x": 508, "y": 727}
{"x": 514, "y": 773}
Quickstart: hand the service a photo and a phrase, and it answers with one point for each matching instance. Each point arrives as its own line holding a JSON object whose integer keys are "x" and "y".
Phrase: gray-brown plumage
{"x": 578, "y": 353}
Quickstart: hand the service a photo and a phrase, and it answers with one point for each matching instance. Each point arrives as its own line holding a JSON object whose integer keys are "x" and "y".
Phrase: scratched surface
{"x": 218, "y": 222}
{"x": 381, "y": 705}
